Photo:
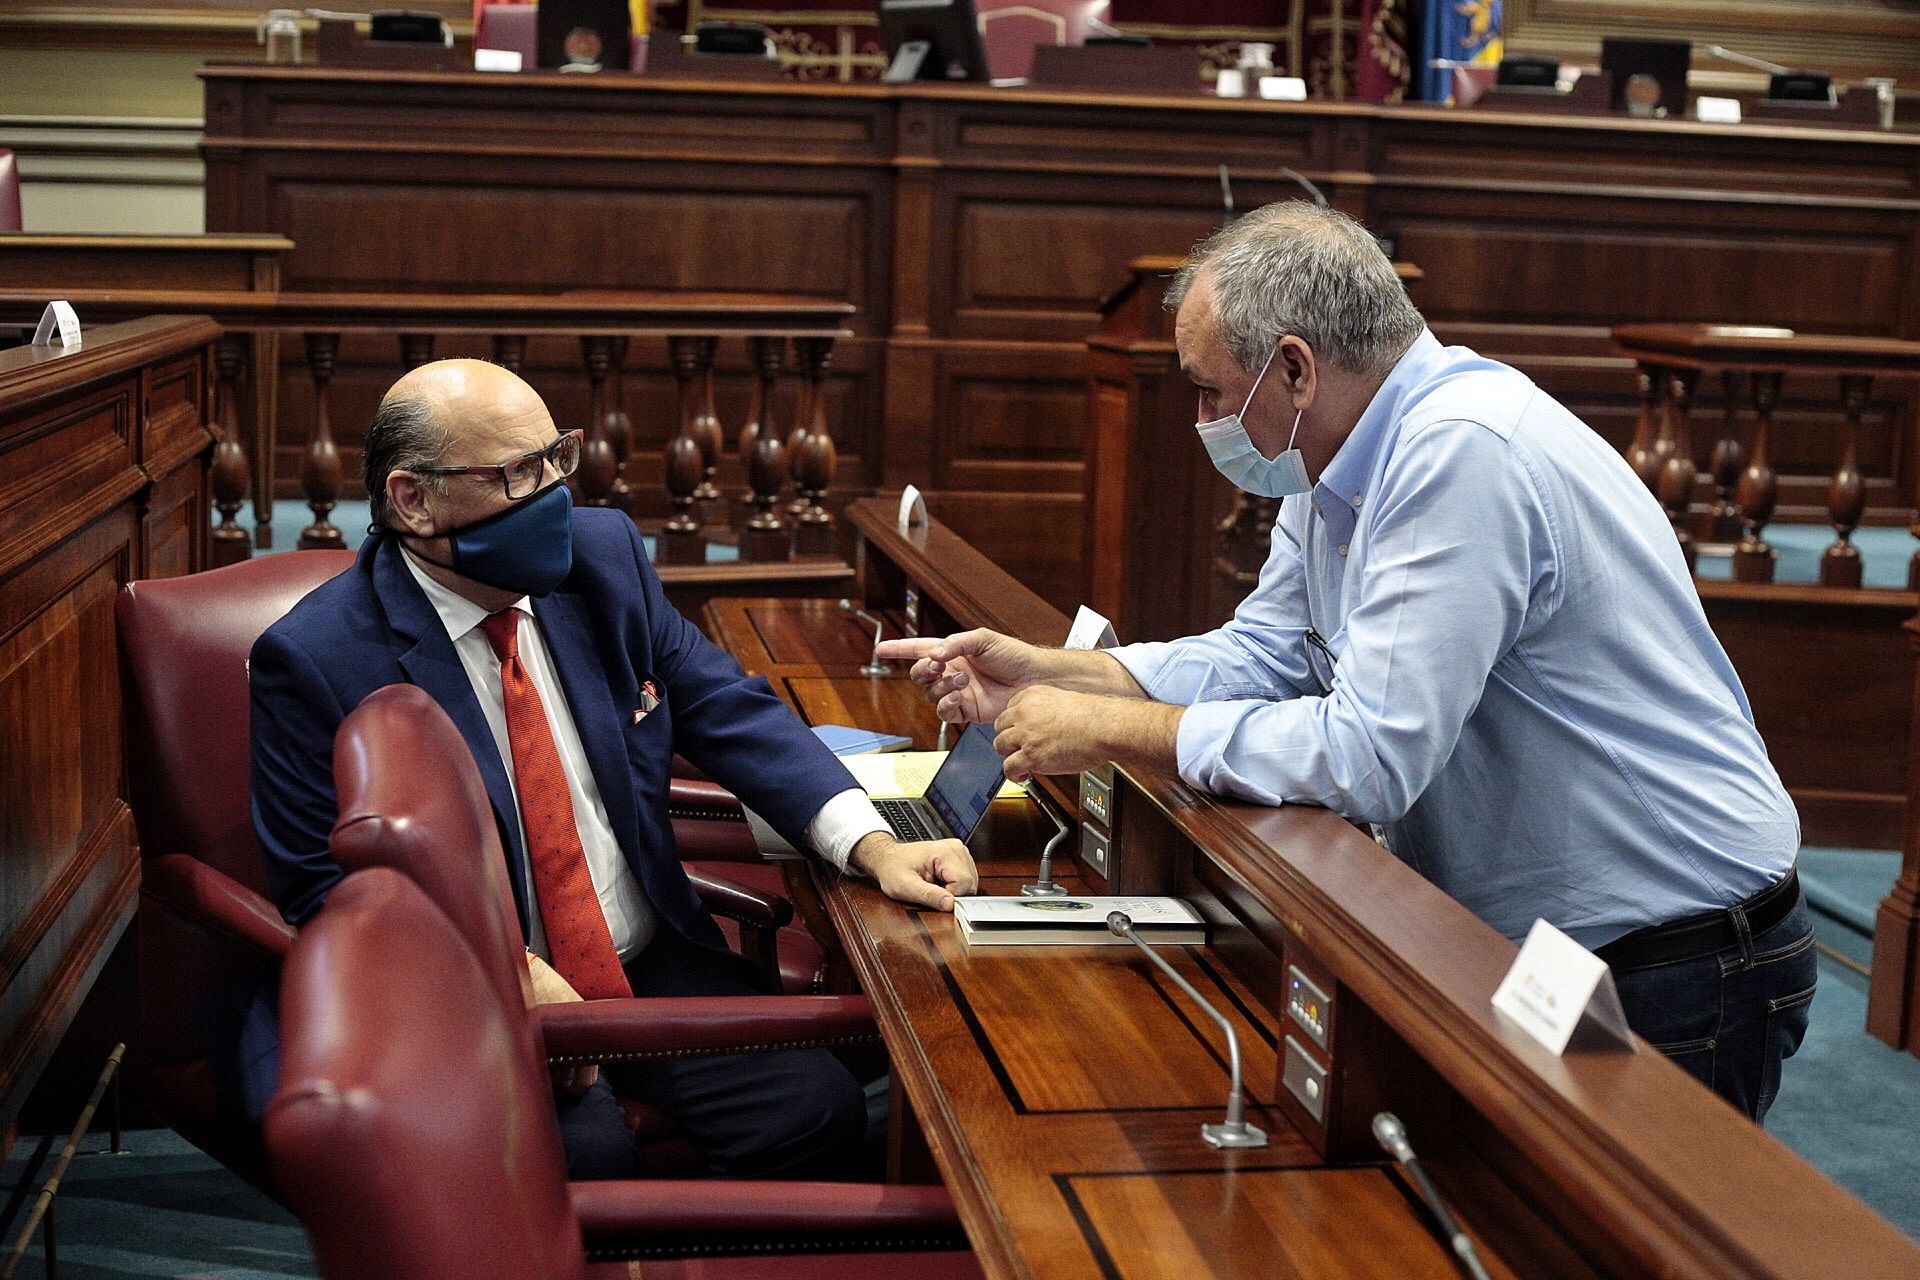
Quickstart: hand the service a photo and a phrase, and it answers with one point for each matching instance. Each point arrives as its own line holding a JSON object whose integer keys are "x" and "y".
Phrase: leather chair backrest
{"x": 1009, "y": 30}
{"x": 411, "y": 799}
{"x": 409, "y": 1133}
{"x": 515, "y": 27}
{"x": 9, "y": 191}
{"x": 184, "y": 644}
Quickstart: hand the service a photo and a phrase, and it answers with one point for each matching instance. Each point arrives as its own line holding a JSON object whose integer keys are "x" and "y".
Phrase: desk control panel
{"x": 1310, "y": 1008}
{"x": 1095, "y": 845}
{"x": 1305, "y": 1079}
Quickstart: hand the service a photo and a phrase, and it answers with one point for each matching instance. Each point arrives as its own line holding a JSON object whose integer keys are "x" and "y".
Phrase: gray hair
{"x": 402, "y": 437}
{"x": 1296, "y": 268}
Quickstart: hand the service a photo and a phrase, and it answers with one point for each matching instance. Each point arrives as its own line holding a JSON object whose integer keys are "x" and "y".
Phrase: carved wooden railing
{"x": 1751, "y": 364}
{"x": 605, "y": 324}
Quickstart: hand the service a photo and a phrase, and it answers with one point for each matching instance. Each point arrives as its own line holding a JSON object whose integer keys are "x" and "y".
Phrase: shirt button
{"x": 1358, "y": 498}
{"x": 1343, "y": 548}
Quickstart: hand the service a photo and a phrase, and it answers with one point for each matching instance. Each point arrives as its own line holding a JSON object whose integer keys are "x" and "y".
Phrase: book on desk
{"x": 1075, "y": 921}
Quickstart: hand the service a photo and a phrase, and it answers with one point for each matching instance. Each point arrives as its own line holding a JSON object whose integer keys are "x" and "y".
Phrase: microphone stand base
{"x": 1047, "y": 890}
{"x": 1234, "y": 1137}
{"x": 876, "y": 669}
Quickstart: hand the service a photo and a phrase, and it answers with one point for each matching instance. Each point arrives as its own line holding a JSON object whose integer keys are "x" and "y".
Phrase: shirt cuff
{"x": 843, "y": 822}
{"x": 1200, "y": 746}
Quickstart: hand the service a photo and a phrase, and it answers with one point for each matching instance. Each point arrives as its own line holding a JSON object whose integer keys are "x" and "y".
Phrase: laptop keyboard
{"x": 906, "y": 819}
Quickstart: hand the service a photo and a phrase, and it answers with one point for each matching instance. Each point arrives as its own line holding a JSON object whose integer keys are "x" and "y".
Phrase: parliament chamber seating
{"x": 1010, "y": 30}
{"x": 9, "y": 191}
{"x": 411, "y": 800}
{"x": 207, "y": 928}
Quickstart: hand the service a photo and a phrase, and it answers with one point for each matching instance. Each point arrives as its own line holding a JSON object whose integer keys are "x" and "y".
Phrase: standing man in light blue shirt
{"x": 1474, "y": 629}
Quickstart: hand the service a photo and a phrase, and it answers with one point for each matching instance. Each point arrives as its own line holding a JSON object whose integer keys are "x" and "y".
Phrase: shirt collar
{"x": 1343, "y": 485}
{"x": 458, "y": 614}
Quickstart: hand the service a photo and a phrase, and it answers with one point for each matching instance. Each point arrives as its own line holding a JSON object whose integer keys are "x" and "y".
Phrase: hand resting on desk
{"x": 921, "y": 873}
{"x": 1054, "y": 711}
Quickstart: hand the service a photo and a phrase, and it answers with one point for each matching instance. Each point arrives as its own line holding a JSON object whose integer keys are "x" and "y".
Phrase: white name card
{"x": 912, "y": 505}
{"x": 496, "y": 59}
{"x": 1090, "y": 631}
{"x": 59, "y": 319}
{"x": 1283, "y": 88}
{"x": 1554, "y": 983}
{"x": 1717, "y": 110}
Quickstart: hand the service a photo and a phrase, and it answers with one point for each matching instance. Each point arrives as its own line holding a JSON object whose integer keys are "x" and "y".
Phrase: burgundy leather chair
{"x": 401, "y": 1169}
{"x": 206, "y": 926}
{"x": 1009, "y": 30}
{"x": 9, "y": 191}
{"x": 411, "y": 800}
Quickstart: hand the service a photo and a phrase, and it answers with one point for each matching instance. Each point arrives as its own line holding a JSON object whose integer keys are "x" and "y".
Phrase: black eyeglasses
{"x": 1318, "y": 653}
{"x": 521, "y": 477}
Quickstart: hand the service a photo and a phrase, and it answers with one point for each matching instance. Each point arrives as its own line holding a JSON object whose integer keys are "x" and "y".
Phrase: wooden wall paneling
{"x": 103, "y": 451}
{"x": 1009, "y": 418}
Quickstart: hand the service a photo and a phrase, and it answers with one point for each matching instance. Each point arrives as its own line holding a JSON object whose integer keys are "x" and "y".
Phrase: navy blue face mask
{"x": 526, "y": 548}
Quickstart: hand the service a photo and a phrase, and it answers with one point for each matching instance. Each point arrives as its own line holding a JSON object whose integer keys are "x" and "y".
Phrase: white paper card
{"x": 1283, "y": 88}
{"x": 1554, "y": 982}
{"x": 496, "y": 59}
{"x": 1717, "y": 110}
{"x": 58, "y": 317}
{"x": 1090, "y": 631}
{"x": 912, "y": 505}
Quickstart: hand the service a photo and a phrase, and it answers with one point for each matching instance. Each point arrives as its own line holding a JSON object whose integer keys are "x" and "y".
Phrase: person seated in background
{"x": 1474, "y": 628}
{"x": 545, "y": 634}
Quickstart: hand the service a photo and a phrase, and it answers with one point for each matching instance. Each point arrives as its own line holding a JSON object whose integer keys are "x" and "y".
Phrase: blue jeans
{"x": 1730, "y": 1017}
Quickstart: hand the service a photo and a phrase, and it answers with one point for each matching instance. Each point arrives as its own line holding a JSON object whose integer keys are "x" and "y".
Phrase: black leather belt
{"x": 1701, "y": 935}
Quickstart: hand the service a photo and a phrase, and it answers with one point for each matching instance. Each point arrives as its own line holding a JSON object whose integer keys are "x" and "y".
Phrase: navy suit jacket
{"x": 609, "y": 629}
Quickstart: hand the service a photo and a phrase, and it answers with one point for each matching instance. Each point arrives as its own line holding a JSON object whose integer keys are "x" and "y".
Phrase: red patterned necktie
{"x": 577, "y": 935}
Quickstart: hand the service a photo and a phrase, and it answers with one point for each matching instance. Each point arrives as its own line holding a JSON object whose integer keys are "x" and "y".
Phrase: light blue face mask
{"x": 1243, "y": 465}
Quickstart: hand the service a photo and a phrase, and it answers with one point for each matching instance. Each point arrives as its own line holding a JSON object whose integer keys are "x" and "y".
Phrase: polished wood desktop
{"x": 1059, "y": 1093}
{"x": 977, "y": 231}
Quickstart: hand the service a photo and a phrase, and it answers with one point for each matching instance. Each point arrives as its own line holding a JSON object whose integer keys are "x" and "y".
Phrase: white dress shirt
{"x": 833, "y": 831}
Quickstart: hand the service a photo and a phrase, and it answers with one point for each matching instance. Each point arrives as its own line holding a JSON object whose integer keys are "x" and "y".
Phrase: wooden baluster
{"x": 683, "y": 353}
{"x": 814, "y": 471}
{"x": 769, "y": 355}
{"x": 320, "y": 472}
{"x": 1728, "y": 460}
{"x": 229, "y": 542}
{"x": 599, "y": 468}
{"x": 766, "y": 536}
{"x": 617, "y": 425}
{"x": 1677, "y": 472}
{"x": 680, "y": 540}
{"x": 1753, "y": 559}
{"x": 416, "y": 349}
{"x": 1647, "y": 427}
{"x": 708, "y": 434}
{"x": 812, "y": 355}
{"x": 1847, "y": 493}
{"x": 510, "y": 351}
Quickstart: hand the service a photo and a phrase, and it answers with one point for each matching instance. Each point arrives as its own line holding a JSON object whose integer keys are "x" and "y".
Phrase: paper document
{"x": 1075, "y": 921}
{"x": 905, "y": 775}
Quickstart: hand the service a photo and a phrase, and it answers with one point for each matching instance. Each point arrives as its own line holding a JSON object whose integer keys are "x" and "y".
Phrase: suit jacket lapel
{"x": 429, "y": 660}
{"x": 568, "y": 631}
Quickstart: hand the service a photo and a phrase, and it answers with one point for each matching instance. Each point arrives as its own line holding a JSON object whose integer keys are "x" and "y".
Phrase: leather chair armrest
{"x": 724, "y": 896}
{"x": 629, "y": 1216}
{"x": 215, "y": 899}
{"x": 695, "y": 798}
{"x": 639, "y": 1030}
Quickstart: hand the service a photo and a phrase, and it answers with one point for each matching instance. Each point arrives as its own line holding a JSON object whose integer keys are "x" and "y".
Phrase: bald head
{"x": 441, "y": 413}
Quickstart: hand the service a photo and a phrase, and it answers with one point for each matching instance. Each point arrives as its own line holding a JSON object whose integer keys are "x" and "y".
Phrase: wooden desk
{"x": 1060, "y": 1093}
{"x": 105, "y": 453}
{"x": 978, "y": 229}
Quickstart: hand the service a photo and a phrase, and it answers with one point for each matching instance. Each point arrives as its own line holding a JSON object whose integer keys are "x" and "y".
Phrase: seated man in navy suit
{"x": 545, "y": 634}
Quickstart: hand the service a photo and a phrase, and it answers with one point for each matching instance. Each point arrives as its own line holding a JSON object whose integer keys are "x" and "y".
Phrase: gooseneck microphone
{"x": 1234, "y": 1131}
{"x": 1045, "y": 886}
{"x": 1392, "y": 1137}
{"x": 874, "y": 666}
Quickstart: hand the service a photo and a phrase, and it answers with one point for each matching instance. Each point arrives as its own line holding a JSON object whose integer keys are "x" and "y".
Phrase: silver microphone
{"x": 1234, "y": 1131}
{"x": 1392, "y": 1137}
{"x": 1319, "y": 197}
{"x": 874, "y": 666}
